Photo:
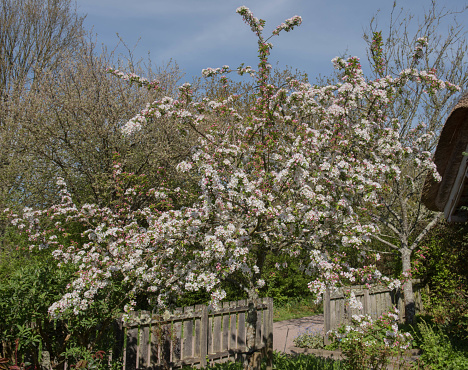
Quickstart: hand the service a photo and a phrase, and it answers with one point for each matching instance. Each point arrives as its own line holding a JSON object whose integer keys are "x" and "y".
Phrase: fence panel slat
{"x": 241, "y": 326}
{"x": 233, "y": 330}
{"x": 204, "y": 336}
{"x": 165, "y": 358}
{"x": 198, "y": 329}
{"x": 210, "y": 334}
{"x": 131, "y": 351}
{"x": 268, "y": 332}
{"x": 258, "y": 331}
{"x": 326, "y": 314}
{"x": 143, "y": 352}
{"x": 188, "y": 334}
{"x": 216, "y": 337}
{"x": 156, "y": 341}
{"x": 226, "y": 328}
{"x": 177, "y": 338}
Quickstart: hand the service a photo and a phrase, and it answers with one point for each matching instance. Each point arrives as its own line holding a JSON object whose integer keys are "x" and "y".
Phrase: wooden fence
{"x": 193, "y": 336}
{"x": 375, "y": 301}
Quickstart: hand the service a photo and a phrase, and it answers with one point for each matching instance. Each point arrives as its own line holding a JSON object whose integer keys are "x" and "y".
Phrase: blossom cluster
{"x": 210, "y": 72}
{"x": 288, "y": 24}
{"x": 421, "y": 43}
{"x": 256, "y": 25}
{"x": 134, "y": 78}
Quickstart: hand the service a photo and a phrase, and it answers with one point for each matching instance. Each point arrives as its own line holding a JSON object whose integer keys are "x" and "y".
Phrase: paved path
{"x": 284, "y": 332}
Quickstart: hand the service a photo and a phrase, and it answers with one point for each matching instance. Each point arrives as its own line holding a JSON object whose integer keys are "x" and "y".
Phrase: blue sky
{"x": 208, "y": 33}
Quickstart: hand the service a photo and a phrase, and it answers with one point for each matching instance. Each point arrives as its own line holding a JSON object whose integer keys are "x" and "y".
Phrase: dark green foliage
{"x": 439, "y": 352}
{"x": 288, "y": 362}
{"x": 287, "y": 282}
{"x": 443, "y": 268}
{"x": 30, "y": 282}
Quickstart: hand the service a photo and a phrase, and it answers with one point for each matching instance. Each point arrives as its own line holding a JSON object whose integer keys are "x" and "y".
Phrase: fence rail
{"x": 193, "y": 335}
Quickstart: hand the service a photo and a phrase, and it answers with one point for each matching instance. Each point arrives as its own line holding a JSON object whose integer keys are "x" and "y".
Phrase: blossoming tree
{"x": 427, "y": 45}
{"x": 294, "y": 176}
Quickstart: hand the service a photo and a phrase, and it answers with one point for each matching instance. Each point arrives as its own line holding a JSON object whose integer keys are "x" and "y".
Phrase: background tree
{"x": 71, "y": 127}
{"x": 436, "y": 43}
{"x": 35, "y": 35}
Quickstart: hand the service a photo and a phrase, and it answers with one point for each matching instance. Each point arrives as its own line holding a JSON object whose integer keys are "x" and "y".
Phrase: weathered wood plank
{"x": 258, "y": 328}
{"x": 241, "y": 327}
{"x": 198, "y": 328}
{"x": 326, "y": 314}
{"x": 216, "y": 337}
{"x": 268, "y": 333}
{"x": 165, "y": 352}
{"x": 225, "y": 329}
{"x": 233, "y": 329}
{"x": 209, "y": 331}
{"x": 143, "y": 353}
{"x": 131, "y": 350}
{"x": 177, "y": 337}
{"x": 204, "y": 336}
{"x": 156, "y": 341}
{"x": 188, "y": 334}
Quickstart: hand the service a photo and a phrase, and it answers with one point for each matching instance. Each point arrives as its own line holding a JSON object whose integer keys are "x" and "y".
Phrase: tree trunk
{"x": 410, "y": 308}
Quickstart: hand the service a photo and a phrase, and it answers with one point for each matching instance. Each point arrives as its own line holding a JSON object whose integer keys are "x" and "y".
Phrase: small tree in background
{"x": 34, "y": 36}
{"x": 407, "y": 45}
{"x": 71, "y": 127}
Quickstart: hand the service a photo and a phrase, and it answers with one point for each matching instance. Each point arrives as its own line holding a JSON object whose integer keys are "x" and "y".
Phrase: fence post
{"x": 268, "y": 334}
{"x": 326, "y": 314}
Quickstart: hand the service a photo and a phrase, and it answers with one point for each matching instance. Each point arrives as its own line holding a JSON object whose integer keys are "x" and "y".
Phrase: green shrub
{"x": 442, "y": 266}
{"x": 30, "y": 282}
{"x": 370, "y": 344}
{"x": 438, "y": 351}
{"x": 310, "y": 339}
{"x": 282, "y": 361}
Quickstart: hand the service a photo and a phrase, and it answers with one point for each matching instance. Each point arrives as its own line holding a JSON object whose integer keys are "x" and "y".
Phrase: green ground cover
{"x": 289, "y": 362}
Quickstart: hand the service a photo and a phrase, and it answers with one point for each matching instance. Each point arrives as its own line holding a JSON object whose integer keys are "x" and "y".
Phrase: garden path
{"x": 284, "y": 332}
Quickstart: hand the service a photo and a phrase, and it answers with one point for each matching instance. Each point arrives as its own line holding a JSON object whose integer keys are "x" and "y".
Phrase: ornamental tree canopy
{"x": 294, "y": 175}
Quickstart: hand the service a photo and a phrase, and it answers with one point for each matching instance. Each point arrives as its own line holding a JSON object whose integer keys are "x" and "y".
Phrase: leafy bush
{"x": 288, "y": 362}
{"x": 442, "y": 266}
{"x": 368, "y": 343}
{"x": 438, "y": 350}
{"x": 309, "y": 339}
{"x": 30, "y": 282}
